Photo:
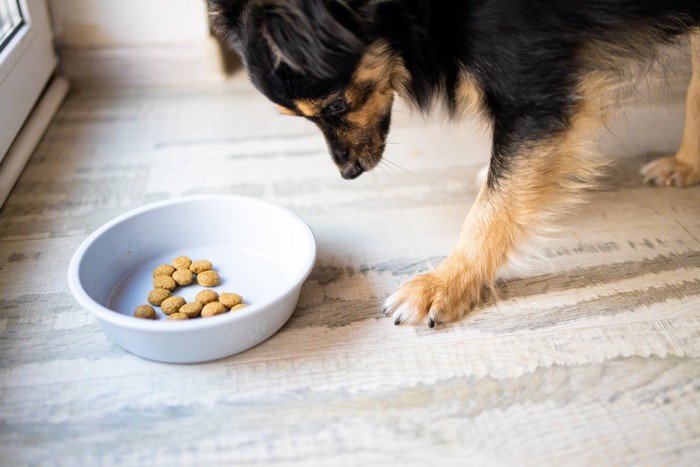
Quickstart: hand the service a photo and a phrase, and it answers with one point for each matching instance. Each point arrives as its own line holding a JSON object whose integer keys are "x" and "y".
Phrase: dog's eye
{"x": 336, "y": 107}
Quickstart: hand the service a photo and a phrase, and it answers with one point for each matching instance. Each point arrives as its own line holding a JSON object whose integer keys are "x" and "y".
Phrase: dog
{"x": 545, "y": 75}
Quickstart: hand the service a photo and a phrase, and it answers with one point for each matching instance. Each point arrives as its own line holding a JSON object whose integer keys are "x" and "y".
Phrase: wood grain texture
{"x": 591, "y": 354}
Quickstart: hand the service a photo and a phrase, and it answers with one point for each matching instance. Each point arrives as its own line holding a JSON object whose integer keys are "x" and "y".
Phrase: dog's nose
{"x": 352, "y": 172}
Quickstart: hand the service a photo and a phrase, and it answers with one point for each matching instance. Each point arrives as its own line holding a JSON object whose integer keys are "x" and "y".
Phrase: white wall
{"x": 133, "y": 43}
{"x": 109, "y": 23}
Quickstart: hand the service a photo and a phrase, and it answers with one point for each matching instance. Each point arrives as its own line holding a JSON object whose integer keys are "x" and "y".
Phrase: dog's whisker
{"x": 394, "y": 164}
{"x": 393, "y": 171}
{"x": 383, "y": 168}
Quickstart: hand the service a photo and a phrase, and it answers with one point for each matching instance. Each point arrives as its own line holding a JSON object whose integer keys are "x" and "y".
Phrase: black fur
{"x": 525, "y": 55}
{"x": 317, "y": 52}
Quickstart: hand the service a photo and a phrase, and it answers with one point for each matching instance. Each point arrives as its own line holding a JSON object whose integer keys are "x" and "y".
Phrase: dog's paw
{"x": 668, "y": 171}
{"x": 441, "y": 296}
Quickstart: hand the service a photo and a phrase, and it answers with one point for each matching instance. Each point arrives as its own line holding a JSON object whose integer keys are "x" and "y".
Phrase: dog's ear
{"x": 310, "y": 36}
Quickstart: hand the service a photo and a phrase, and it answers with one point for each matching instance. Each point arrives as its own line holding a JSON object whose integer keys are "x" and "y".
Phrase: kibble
{"x": 208, "y": 278}
{"x": 200, "y": 266}
{"x": 192, "y": 310}
{"x": 172, "y": 305}
{"x": 156, "y": 296}
{"x": 177, "y": 317}
{"x": 183, "y": 277}
{"x": 163, "y": 270}
{"x": 182, "y": 262}
{"x": 145, "y": 312}
{"x": 182, "y": 272}
{"x": 164, "y": 282}
{"x": 213, "y": 309}
{"x": 206, "y": 296}
{"x": 230, "y": 299}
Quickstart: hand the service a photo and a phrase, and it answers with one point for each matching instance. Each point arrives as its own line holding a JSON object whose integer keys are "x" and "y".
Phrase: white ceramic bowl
{"x": 261, "y": 251}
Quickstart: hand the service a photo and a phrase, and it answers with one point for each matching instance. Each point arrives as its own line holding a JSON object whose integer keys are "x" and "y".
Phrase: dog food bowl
{"x": 261, "y": 251}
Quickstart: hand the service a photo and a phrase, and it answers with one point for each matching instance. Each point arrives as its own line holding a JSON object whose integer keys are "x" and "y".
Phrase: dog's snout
{"x": 352, "y": 172}
{"x": 348, "y": 170}
{"x": 354, "y": 149}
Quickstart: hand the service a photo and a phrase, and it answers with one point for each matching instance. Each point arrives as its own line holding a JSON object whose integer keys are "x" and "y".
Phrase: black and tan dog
{"x": 544, "y": 73}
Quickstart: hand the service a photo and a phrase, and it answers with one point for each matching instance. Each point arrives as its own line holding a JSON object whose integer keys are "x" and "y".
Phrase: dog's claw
{"x": 431, "y": 323}
{"x": 397, "y": 322}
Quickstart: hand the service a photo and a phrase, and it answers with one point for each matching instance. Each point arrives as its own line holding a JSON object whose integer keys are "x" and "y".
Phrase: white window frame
{"x": 26, "y": 64}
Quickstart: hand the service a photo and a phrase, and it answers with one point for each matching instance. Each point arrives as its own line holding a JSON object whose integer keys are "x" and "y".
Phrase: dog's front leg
{"x": 447, "y": 293}
{"x": 527, "y": 181}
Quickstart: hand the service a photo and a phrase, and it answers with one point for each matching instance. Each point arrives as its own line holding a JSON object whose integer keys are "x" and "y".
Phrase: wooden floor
{"x": 590, "y": 357}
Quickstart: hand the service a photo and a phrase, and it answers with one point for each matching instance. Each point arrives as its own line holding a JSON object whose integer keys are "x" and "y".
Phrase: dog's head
{"x": 319, "y": 59}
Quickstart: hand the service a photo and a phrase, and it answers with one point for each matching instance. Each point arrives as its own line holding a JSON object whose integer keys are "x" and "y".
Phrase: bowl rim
{"x": 116, "y": 318}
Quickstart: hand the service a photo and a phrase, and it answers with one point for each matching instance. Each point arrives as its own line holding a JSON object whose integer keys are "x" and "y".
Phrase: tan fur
{"x": 683, "y": 169}
{"x": 470, "y": 95}
{"x": 376, "y": 64}
{"x": 285, "y": 111}
{"x": 400, "y": 77}
{"x": 375, "y": 70}
{"x": 308, "y": 107}
{"x": 364, "y": 134}
{"x": 544, "y": 177}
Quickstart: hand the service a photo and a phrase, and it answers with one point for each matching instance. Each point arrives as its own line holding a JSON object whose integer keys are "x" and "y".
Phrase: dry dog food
{"x": 163, "y": 270}
{"x": 145, "y": 312}
{"x": 208, "y": 278}
{"x": 182, "y": 262}
{"x": 230, "y": 299}
{"x": 177, "y": 317}
{"x": 182, "y": 272}
{"x": 213, "y": 309}
{"x": 183, "y": 277}
{"x": 200, "y": 266}
{"x": 206, "y": 296}
{"x": 156, "y": 296}
{"x": 192, "y": 310}
{"x": 164, "y": 282}
{"x": 172, "y": 305}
